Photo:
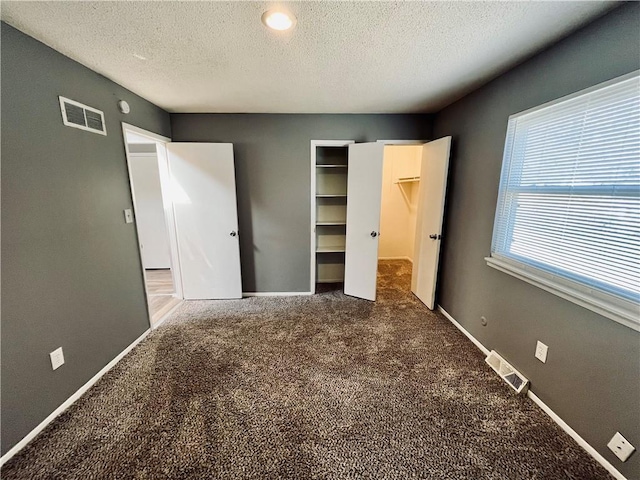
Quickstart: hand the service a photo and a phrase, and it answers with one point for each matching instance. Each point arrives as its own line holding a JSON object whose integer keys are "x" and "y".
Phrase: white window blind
{"x": 569, "y": 199}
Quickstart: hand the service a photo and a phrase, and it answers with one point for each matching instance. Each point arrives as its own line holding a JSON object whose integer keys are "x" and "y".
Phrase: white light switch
{"x": 128, "y": 216}
{"x": 541, "y": 351}
{"x": 57, "y": 358}
{"x": 620, "y": 447}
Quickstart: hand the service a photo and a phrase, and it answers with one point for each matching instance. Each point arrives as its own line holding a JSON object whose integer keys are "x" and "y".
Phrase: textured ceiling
{"x": 342, "y": 57}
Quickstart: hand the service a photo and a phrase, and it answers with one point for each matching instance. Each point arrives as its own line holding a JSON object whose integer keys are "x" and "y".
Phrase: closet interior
{"x": 330, "y": 165}
{"x": 399, "y": 204}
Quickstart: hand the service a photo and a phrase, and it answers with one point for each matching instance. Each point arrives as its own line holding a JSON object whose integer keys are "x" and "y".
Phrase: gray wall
{"x": 592, "y": 375}
{"x": 71, "y": 275}
{"x": 272, "y": 155}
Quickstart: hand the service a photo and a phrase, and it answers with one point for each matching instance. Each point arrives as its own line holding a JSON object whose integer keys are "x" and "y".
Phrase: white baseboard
{"x": 69, "y": 401}
{"x": 476, "y": 342}
{"x": 395, "y": 258}
{"x": 274, "y": 294}
{"x": 572, "y": 433}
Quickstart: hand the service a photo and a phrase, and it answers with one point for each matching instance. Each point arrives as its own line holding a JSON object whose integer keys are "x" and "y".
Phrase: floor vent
{"x": 509, "y": 374}
{"x": 77, "y": 115}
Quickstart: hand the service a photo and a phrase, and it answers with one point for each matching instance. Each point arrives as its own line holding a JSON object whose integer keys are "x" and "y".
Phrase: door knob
{"x": 435, "y": 237}
{"x": 374, "y": 234}
{"x": 233, "y": 234}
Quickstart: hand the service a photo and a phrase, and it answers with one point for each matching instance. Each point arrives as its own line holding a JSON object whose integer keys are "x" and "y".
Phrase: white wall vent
{"x": 509, "y": 374}
{"x": 77, "y": 115}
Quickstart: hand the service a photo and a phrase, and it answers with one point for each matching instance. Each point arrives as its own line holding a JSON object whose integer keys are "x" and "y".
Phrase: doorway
{"x": 398, "y": 208}
{"x": 364, "y": 208}
{"x": 148, "y": 176}
{"x": 193, "y": 184}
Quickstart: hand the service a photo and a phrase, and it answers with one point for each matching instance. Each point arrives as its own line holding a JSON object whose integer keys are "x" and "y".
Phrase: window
{"x": 568, "y": 213}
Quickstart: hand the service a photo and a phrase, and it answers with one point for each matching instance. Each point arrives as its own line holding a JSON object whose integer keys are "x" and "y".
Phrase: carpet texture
{"x": 321, "y": 387}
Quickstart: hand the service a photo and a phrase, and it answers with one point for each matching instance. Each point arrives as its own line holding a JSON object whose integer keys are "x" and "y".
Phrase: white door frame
{"x": 403, "y": 142}
{"x": 163, "y": 165}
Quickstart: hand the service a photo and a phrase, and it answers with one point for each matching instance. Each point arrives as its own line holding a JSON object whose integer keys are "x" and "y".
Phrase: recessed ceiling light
{"x": 278, "y": 20}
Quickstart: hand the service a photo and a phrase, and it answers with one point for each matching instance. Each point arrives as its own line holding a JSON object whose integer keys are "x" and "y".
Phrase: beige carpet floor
{"x": 321, "y": 387}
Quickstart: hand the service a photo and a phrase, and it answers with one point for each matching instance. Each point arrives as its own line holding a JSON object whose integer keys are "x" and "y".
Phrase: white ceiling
{"x": 342, "y": 57}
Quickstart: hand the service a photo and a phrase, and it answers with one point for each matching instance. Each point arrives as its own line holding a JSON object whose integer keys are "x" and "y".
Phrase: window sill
{"x": 619, "y": 310}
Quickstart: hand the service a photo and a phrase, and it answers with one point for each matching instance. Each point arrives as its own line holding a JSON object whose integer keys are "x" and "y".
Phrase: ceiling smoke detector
{"x": 278, "y": 20}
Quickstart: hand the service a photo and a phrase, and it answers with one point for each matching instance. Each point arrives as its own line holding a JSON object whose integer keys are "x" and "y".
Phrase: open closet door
{"x": 203, "y": 190}
{"x": 364, "y": 190}
{"x": 433, "y": 186}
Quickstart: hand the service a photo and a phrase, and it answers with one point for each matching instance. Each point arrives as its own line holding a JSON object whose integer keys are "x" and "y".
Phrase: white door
{"x": 152, "y": 227}
{"x": 203, "y": 190}
{"x": 433, "y": 186}
{"x": 364, "y": 191}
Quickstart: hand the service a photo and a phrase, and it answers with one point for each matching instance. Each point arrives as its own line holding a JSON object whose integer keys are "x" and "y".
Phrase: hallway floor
{"x": 160, "y": 290}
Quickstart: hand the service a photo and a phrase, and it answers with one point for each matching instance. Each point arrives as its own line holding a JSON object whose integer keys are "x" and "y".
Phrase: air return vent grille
{"x": 77, "y": 115}
{"x": 509, "y": 374}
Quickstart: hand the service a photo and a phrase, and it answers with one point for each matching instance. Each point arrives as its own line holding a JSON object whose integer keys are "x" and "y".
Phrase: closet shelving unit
{"x": 329, "y": 169}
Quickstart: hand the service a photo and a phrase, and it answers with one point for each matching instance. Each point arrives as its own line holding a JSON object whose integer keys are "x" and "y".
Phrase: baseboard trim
{"x": 476, "y": 342}
{"x": 69, "y": 401}
{"x": 274, "y": 294}
{"x": 573, "y": 434}
{"x": 545, "y": 408}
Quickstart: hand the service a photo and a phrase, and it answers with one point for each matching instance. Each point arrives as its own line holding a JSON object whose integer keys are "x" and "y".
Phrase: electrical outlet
{"x": 620, "y": 447}
{"x": 57, "y": 358}
{"x": 128, "y": 216}
{"x": 541, "y": 351}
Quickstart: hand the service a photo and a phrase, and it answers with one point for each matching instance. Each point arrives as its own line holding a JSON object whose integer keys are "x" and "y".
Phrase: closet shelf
{"x": 407, "y": 179}
{"x": 334, "y": 249}
{"x": 330, "y": 168}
